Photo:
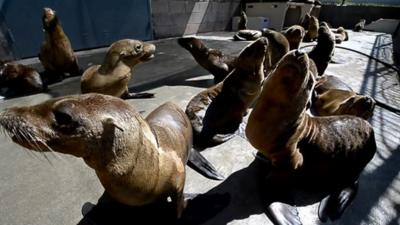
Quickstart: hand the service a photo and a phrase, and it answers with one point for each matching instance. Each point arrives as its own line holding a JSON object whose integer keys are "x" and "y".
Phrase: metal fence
{"x": 364, "y": 2}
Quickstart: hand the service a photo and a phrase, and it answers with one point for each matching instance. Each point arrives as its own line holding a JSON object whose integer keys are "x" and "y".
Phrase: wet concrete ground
{"x": 36, "y": 191}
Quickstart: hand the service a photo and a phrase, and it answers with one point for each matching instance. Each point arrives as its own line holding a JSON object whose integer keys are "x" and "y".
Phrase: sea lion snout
{"x": 49, "y": 18}
{"x": 48, "y": 12}
{"x": 253, "y": 54}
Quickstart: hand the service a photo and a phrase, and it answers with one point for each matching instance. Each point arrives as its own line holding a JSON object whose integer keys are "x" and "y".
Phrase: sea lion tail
{"x": 201, "y": 165}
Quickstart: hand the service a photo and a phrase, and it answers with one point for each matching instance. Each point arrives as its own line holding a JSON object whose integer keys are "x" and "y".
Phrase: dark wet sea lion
{"x": 333, "y": 97}
{"x": 113, "y": 75}
{"x": 323, "y": 52}
{"x": 294, "y": 34}
{"x": 138, "y": 161}
{"x": 56, "y": 53}
{"x": 217, "y": 112}
{"x": 318, "y": 154}
{"x": 278, "y": 46}
{"x": 213, "y": 60}
{"x": 20, "y": 79}
{"x": 312, "y": 29}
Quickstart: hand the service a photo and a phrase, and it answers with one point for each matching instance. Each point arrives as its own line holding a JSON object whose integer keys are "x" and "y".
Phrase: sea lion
{"x": 305, "y": 21}
{"x": 20, "y": 79}
{"x": 323, "y": 52}
{"x": 319, "y": 154}
{"x": 247, "y": 35}
{"x": 278, "y": 46}
{"x": 113, "y": 75}
{"x": 56, "y": 53}
{"x": 312, "y": 29}
{"x": 213, "y": 60}
{"x": 340, "y": 35}
{"x": 359, "y": 26}
{"x": 242, "y": 25}
{"x": 294, "y": 34}
{"x": 217, "y": 112}
{"x": 138, "y": 161}
{"x": 333, "y": 97}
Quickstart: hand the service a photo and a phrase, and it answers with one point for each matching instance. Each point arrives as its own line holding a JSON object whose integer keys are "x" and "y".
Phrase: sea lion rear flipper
{"x": 201, "y": 165}
{"x": 282, "y": 214}
{"x": 332, "y": 207}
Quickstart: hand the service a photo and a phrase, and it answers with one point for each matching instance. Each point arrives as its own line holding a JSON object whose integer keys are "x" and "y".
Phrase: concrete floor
{"x": 36, "y": 191}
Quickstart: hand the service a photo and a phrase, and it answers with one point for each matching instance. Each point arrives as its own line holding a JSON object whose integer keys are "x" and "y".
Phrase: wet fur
{"x": 19, "y": 79}
{"x": 334, "y": 97}
{"x": 56, "y": 53}
{"x": 294, "y": 35}
{"x": 217, "y": 112}
{"x": 320, "y": 154}
{"x": 113, "y": 75}
{"x": 323, "y": 52}
{"x": 213, "y": 60}
{"x": 138, "y": 161}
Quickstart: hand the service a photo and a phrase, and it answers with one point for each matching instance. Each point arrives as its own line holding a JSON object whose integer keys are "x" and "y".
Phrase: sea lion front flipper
{"x": 332, "y": 207}
{"x": 283, "y": 214}
{"x": 129, "y": 95}
{"x": 197, "y": 162}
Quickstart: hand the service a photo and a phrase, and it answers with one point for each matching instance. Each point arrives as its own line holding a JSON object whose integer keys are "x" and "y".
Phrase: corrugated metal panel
{"x": 88, "y": 24}
{"x": 366, "y": 2}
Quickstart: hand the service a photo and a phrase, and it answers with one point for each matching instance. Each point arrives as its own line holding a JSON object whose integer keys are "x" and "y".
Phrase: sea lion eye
{"x": 138, "y": 48}
{"x": 62, "y": 118}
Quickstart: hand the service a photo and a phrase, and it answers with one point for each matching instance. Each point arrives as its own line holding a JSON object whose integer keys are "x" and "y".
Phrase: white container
{"x": 253, "y": 23}
{"x": 274, "y": 11}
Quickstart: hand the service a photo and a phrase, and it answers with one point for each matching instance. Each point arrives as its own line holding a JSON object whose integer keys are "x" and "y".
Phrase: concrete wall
{"x": 182, "y": 17}
{"x": 348, "y": 16}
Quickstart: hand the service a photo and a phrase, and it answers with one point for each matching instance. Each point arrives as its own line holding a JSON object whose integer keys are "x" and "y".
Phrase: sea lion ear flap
{"x": 109, "y": 123}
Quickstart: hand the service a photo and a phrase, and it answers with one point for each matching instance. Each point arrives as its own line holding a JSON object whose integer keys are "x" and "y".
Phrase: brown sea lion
{"x": 113, "y": 75}
{"x": 217, "y": 112}
{"x": 213, "y": 60}
{"x": 341, "y": 35}
{"x": 360, "y": 25}
{"x": 138, "y": 161}
{"x": 312, "y": 29}
{"x": 247, "y": 35}
{"x": 242, "y": 25}
{"x": 294, "y": 34}
{"x": 319, "y": 154}
{"x": 20, "y": 79}
{"x": 333, "y": 97}
{"x": 56, "y": 53}
{"x": 305, "y": 21}
{"x": 323, "y": 52}
{"x": 278, "y": 46}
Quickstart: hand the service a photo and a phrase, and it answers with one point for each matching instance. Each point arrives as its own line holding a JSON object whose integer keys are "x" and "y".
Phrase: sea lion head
{"x": 49, "y": 19}
{"x": 128, "y": 51}
{"x": 326, "y": 38}
{"x": 290, "y": 85}
{"x": 192, "y": 43}
{"x": 358, "y": 105}
{"x": 251, "y": 58}
{"x": 81, "y": 125}
{"x": 281, "y": 108}
{"x": 295, "y": 35}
